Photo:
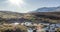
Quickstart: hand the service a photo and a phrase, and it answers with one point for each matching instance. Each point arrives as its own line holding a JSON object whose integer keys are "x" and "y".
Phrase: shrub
{"x": 7, "y": 27}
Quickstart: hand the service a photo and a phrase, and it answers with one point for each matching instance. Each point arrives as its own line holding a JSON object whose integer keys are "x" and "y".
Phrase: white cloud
{"x": 15, "y": 6}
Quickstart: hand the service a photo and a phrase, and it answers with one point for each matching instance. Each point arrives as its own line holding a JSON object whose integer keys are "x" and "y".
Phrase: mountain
{"x": 48, "y": 9}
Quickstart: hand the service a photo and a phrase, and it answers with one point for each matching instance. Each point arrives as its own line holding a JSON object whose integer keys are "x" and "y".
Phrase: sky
{"x": 23, "y": 6}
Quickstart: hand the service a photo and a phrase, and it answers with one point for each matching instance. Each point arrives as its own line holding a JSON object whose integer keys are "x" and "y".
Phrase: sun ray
{"x": 16, "y": 2}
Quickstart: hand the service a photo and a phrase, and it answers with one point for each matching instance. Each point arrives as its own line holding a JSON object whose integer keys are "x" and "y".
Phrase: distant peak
{"x": 48, "y": 9}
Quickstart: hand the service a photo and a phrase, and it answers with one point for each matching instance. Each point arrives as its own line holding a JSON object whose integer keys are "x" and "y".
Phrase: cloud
{"x": 7, "y": 6}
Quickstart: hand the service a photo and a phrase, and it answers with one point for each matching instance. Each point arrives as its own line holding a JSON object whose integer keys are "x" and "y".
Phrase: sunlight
{"x": 16, "y": 2}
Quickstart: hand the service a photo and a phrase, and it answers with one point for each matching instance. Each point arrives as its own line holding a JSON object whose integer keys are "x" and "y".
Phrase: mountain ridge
{"x": 48, "y": 9}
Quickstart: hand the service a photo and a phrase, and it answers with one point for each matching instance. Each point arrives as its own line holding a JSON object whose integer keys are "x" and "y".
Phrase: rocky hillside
{"x": 46, "y": 17}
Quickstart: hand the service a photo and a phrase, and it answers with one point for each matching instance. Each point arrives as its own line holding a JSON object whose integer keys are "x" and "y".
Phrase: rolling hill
{"x": 45, "y": 17}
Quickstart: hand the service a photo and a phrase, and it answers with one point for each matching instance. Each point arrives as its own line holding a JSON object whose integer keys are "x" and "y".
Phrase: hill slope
{"x": 46, "y": 17}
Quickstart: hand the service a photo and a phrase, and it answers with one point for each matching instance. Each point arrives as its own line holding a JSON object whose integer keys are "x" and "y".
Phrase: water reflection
{"x": 30, "y": 30}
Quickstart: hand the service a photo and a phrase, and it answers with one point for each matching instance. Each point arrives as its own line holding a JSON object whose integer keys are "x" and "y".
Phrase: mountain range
{"x": 48, "y": 9}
